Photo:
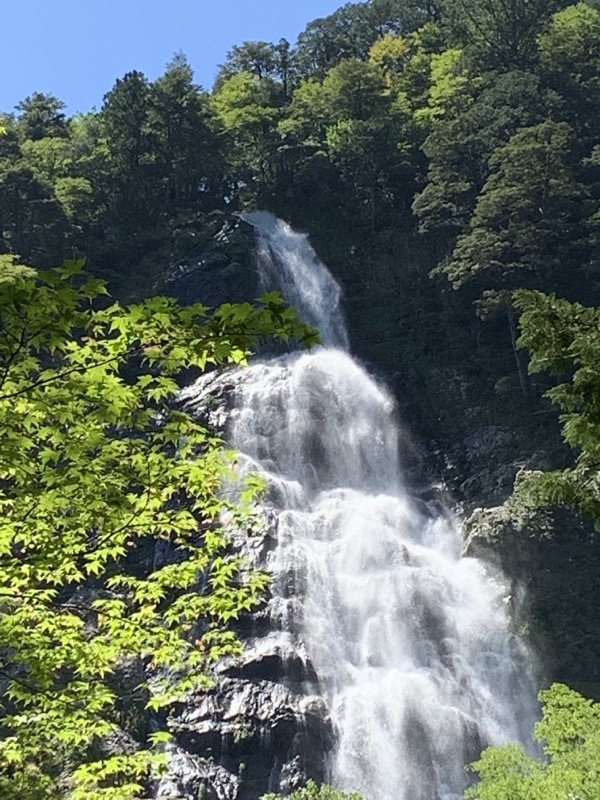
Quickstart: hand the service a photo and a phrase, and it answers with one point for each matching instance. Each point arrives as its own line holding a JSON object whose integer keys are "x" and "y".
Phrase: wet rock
{"x": 222, "y": 271}
{"x": 258, "y": 735}
{"x": 490, "y": 454}
{"x": 261, "y": 728}
{"x": 193, "y": 778}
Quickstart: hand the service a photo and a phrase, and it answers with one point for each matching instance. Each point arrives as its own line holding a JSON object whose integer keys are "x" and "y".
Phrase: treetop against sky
{"x": 74, "y": 50}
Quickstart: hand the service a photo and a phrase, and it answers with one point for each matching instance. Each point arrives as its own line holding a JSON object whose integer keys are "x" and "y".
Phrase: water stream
{"x": 411, "y": 641}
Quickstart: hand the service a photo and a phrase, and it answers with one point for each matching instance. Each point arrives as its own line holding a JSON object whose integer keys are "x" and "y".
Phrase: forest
{"x": 444, "y": 158}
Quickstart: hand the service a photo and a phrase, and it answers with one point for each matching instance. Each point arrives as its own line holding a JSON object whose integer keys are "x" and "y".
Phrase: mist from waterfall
{"x": 410, "y": 640}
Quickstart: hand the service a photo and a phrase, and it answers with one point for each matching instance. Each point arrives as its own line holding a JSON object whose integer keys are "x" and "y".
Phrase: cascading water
{"x": 410, "y": 641}
{"x": 289, "y": 264}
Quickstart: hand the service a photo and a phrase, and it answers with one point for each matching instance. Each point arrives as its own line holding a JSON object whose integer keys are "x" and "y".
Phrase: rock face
{"x": 221, "y": 272}
{"x": 261, "y": 727}
{"x": 553, "y": 560}
{"x": 250, "y": 734}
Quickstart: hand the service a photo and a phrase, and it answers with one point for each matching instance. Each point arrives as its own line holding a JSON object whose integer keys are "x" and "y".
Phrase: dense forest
{"x": 444, "y": 158}
{"x": 439, "y": 155}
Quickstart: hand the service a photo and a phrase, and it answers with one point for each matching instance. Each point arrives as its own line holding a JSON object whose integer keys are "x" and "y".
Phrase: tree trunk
{"x": 523, "y": 380}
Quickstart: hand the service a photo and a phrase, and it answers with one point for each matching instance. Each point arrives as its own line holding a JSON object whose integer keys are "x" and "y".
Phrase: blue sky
{"x": 76, "y": 49}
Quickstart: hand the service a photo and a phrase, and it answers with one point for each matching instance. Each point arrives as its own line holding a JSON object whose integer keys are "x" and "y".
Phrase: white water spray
{"x": 410, "y": 641}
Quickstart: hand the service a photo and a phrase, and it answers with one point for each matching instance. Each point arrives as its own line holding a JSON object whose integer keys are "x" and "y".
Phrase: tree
{"x": 263, "y": 59}
{"x": 569, "y": 53}
{"x": 249, "y": 109}
{"x": 448, "y": 80}
{"x": 484, "y": 115}
{"x": 354, "y": 90}
{"x": 371, "y": 159}
{"x": 498, "y": 35}
{"x": 76, "y": 196}
{"x": 125, "y": 114}
{"x": 133, "y": 199}
{"x": 565, "y": 338}
{"x": 47, "y": 157}
{"x": 527, "y": 226}
{"x": 570, "y": 733}
{"x": 32, "y": 221}
{"x": 284, "y": 64}
{"x": 41, "y": 115}
{"x": 11, "y": 268}
{"x": 258, "y": 58}
{"x": 390, "y": 54}
{"x": 307, "y": 117}
{"x": 188, "y": 142}
{"x": 314, "y": 791}
{"x": 351, "y": 31}
{"x": 324, "y": 42}
{"x": 114, "y": 518}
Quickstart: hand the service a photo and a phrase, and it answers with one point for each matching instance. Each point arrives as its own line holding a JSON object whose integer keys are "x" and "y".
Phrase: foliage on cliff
{"x": 314, "y": 791}
{"x": 565, "y": 338}
{"x": 570, "y": 734}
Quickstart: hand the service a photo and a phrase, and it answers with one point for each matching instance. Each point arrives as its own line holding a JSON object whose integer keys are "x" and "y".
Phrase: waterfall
{"x": 411, "y": 641}
{"x": 289, "y": 264}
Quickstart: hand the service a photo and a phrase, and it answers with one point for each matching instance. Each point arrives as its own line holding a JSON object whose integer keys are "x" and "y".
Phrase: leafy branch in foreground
{"x": 570, "y": 733}
{"x": 97, "y": 467}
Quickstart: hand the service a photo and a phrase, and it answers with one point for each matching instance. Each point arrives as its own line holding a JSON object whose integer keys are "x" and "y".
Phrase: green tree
{"x": 448, "y": 80}
{"x": 372, "y": 161}
{"x": 527, "y": 227}
{"x": 133, "y": 199}
{"x": 90, "y": 163}
{"x": 47, "y": 157}
{"x": 76, "y": 196}
{"x": 570, "y": 733}
{"x": 564, "y": 338}
{"x": 97, "y": 468}
{"x": 324, "y": 42}
{"x": 125, "y": 115}
{"x": 41, "y": 115}
{"x": 32, "y": 222}
{"x": 249, "y": 109}
{"x": 354, "y": 90}
{"x": 285, "y": 64}
{"x": 390, "y": 54}
{"x": 485, "y": 113}
{"x": 421, "y": 72}
{"x": 307, "y": 117}
{"x": 498, "y": 35}
{"x": 188, "y": 142}
{"x": 258, "y": 58}
{"x": 315, "y": 791}
{"x": 569, "y": 52}
{"x": 263, "y": 59}
{"x": 11, "y": 268}
{"x": 351, "y": 31}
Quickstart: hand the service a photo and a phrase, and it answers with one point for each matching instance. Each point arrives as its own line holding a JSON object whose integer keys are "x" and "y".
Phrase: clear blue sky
{"x": 76, "y": 49}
